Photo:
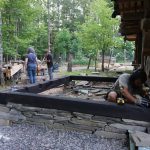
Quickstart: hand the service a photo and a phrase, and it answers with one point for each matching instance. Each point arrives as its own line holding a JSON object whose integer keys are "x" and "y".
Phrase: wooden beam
{"x": 107, "y": 109}
{"x": 131, "y": 37}
{"x": 147, "y": 8}
{"x": 130, "y": 31}
{"x": 132, "y": 16}
{"x": 93, "y": 78}
{"x": 146, "y": 44}
{"x": 138, "y": 52}
{"x": 40, "y": 87}
{"x": 145, "y": 24}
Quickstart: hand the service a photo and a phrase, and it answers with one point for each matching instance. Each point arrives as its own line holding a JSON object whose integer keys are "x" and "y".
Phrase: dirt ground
{"x": 81, "y": 89}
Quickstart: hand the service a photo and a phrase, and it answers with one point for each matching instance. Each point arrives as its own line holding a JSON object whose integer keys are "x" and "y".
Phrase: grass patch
{"x": 90, "y": 73}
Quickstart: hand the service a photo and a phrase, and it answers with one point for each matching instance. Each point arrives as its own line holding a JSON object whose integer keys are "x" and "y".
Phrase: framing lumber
{"x": 107, "y": 109}
{"x": 93, "y": 78}
{"x": 40, "y": 87}
{"x": 28, "y": 97}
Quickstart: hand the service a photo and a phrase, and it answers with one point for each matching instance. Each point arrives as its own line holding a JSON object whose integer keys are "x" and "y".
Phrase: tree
{"x": 20, "y": 25}
{"x": 119, "y": 46}
{"x": 97, "y": 33}
{"x": 1, "y": 53}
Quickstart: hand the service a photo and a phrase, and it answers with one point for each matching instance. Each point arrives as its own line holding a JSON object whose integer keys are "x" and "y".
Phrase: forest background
{"x": 78, "y": 31}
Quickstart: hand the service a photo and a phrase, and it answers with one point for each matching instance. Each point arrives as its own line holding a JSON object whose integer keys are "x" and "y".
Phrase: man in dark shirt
{"x": 49, "y": 61}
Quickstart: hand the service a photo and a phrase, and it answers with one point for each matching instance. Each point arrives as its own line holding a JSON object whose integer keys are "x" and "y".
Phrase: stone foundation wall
{"x": 106, "y": 127}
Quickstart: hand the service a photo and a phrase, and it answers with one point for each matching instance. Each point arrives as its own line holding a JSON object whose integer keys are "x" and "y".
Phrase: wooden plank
{"x": 107, "y": 109}
{"x": 131, "y": 37}
{"x": 16, "y": 68}
{"x": 130, "y": 31}
{"x": 145, "y": 24}
{"x": 132, "y": 16}
{"x": 40, "y": 87}
{"x": 93, "y": 78}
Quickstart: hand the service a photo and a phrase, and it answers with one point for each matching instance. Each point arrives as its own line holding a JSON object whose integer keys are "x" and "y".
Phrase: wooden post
{"x": 145, "y": 26}
{"x": 139, "y": 48}
{"x": 1, "y": 53}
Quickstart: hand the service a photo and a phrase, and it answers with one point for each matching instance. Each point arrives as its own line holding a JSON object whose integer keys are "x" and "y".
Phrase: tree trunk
{"x": 69, "y": 68}
{"x": 1, "y": 54}
{"x": 109, "y": 58}
{"x": 49, "y": 32}
{"x": 103, "y": 52}
{"x": 89, "y": 63}
{"x": 96, "y": 64}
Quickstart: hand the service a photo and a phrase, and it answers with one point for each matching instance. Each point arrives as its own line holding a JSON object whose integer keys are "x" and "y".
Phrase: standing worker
{"x": 31, "y": 65}
{"x": 49, "y": 61}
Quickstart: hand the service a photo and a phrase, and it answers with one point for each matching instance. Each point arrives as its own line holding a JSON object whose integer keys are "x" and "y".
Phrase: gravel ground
{"x": 33, "y": 137}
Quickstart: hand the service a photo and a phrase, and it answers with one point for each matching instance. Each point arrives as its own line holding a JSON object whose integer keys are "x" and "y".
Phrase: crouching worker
{"x": 130, "y": 88}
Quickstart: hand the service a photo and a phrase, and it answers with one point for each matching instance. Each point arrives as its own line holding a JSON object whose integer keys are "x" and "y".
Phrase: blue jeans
{"x": 32, "y": 73}
{"x": 50, "y": 72}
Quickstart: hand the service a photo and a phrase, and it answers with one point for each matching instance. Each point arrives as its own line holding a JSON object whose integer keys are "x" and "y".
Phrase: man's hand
{"x": 141, "y": 101}
{"x": 130, "y": 98}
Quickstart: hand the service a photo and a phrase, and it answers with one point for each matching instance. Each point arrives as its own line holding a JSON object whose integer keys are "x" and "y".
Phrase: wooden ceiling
{"x": 131, "y": 12}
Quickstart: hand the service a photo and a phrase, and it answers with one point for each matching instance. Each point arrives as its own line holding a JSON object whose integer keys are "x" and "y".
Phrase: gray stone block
{"x": 40, "y": 120}
{"x": 13, "y": 105}
{"x": 82, "y": 128}
{"x": 53, "y": 111}
{"x": 115, "y": 130}
{"x": 12, "y": 117}
{"x": 60, "y": 118}
{"x": 14, "y": 112}
{"x": 28, "y": 114}
{"x": 82, "y": 115}
{"x": 63, "y": 114}
{"x": 44, "y": 116}
{"x": 106, "y": 119}
{"x": 35, "y": 123}
{"x": 28, "y": 109}
{"x": 140, "y": 139}
{"x": 4, "y": 122}
{"x": 110, "y": 135}
{"x": 128, "y": 127}
{"x": 4, "y": 108}
{"x": 91, "y": 123}
{"x": 135, "y": 122}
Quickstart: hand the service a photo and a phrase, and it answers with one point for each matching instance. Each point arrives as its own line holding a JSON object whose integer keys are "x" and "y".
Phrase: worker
{"x": 31, "y": 65}
{"x": 130, "y": 88}
{"x": 49, "y": 61}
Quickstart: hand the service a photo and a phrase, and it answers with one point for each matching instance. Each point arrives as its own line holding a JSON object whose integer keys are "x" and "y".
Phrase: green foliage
{"x": 20, "y": 25}
{"x": 83, "y": 61}
{"x": 62, "y": 41}
{"x": 96, "y": 35}
{"x": 123, "y": 49}
{"x": 83, "y": 27}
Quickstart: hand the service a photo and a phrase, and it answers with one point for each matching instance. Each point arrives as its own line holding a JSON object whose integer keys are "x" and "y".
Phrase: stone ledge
{"x": 110, "y": 135}
{"x": 128, "y": 127}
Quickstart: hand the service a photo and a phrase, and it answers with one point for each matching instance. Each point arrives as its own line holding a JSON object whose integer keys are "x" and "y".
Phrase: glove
{"x": 143, "y": 102}
{"x": 138, "y": 99}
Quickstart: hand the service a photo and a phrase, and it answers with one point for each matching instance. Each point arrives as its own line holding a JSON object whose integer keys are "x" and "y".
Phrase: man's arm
{"x": 130, "y": 98}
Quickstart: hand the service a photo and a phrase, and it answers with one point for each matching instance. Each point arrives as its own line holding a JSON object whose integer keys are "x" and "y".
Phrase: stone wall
{"x": 106, "y": 127}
